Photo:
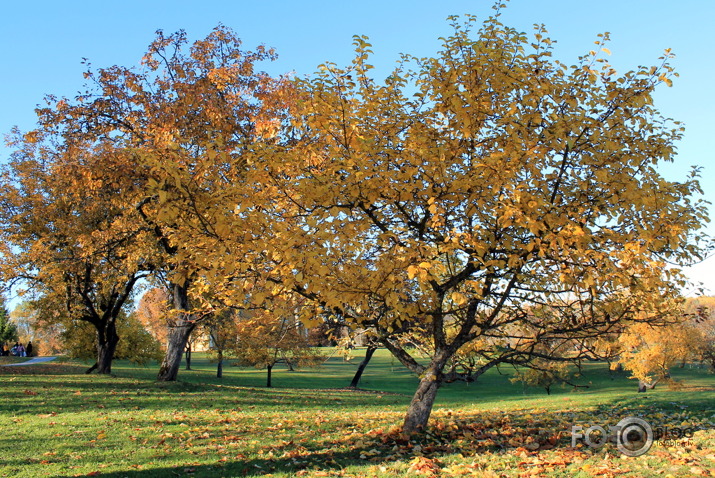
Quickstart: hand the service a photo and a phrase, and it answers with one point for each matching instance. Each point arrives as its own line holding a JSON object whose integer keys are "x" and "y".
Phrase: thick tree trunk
{"x": 107, "y": 340}
{"x": 268, "y": 379}
{"x": 361, "y": 368}
{"x": 420, "y": 408}
{"x": 106, "y": 355}
{"x": 178, "y": 336}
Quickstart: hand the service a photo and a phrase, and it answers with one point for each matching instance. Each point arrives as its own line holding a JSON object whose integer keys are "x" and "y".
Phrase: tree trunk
{"x": 177, "y": 339}
{"x": 361, "y": 368}
{"x": 187, "y": 355}
{"x": 107, "y": 340}
{"x": 178, "y": 335}
{"x": 106, "y": 355}
{"x": 420, "y": 408}
{"x": 268, "y": 380}
{"x": 219, "y": 366}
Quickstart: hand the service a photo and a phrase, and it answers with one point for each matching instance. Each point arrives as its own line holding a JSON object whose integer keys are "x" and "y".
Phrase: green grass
{"x": 57, "y": 421}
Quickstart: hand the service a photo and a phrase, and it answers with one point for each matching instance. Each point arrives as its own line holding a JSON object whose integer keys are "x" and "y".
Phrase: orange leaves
{"x": 267, "y": 129}
{"x": 31, "y": 137}
{"x": 421, "y": 465}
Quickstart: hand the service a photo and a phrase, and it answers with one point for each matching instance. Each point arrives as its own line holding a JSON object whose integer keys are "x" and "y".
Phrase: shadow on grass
{"x": 291, "y": 462}
{"x": 37, "y": 394}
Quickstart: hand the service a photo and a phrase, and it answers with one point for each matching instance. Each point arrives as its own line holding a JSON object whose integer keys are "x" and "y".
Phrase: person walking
{"x": 28, "y": 349}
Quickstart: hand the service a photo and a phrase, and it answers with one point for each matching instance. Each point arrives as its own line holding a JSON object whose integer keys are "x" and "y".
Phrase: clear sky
{"x": 42, "y": 44}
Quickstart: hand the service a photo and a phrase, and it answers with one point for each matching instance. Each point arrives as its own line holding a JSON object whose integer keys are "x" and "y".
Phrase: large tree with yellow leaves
{"x": 490, "y": 194}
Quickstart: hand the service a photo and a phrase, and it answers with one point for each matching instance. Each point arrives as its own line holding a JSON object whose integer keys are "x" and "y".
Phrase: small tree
{"x": 138, "y": 345}
{"x": 702, "y": 311}
{"x": 223, "y": 336}
{"x": 46, "y": 333}
{"x": 266, "y": 339}
{"x": 650, "y": 352}
{"x": 543, "y": 373}
{"x": 152, "y": 312}
{"x": 8, "y": 330}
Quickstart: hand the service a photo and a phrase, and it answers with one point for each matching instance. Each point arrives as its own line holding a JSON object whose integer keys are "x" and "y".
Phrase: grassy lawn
{"x": 57, "y": 421}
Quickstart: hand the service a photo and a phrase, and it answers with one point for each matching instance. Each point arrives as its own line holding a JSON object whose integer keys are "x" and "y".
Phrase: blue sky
{"x": 42, "y": 44}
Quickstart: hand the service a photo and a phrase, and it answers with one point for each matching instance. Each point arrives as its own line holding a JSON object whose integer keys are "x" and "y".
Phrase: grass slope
{"x": 58, "y": 422}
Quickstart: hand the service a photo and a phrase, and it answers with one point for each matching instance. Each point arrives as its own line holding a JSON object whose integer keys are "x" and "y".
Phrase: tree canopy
{"x": 490, "y": 192}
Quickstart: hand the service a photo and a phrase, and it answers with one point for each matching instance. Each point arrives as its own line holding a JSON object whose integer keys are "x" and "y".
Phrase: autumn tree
{"x": 701, "y": 314}
{"x": 180, "y": 129}
{"x": 152, "y": 313}
{"x": 44, "y": 331}
{"x": 201, "y": 113}
{"x": 649, "y": 353}
{"x": 266, "y": 338}
{"x": 223, "y": 333}
{"x": 470, "y": 187}
{"x": 69, "y": 238}
{"x": 23, "y": 321}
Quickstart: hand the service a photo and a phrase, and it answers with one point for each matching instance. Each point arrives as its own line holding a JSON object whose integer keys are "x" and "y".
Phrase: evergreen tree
{"x": 8, "y": 331}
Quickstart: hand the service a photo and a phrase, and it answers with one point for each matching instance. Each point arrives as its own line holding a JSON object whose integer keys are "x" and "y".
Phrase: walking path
{"x": 31, "y": 361}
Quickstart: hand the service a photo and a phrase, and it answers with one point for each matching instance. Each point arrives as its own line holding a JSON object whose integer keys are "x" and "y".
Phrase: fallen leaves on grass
{"x": 424, "y": 466}
{"x": 535, "y": 443}
{"x": 239, "y": 432}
